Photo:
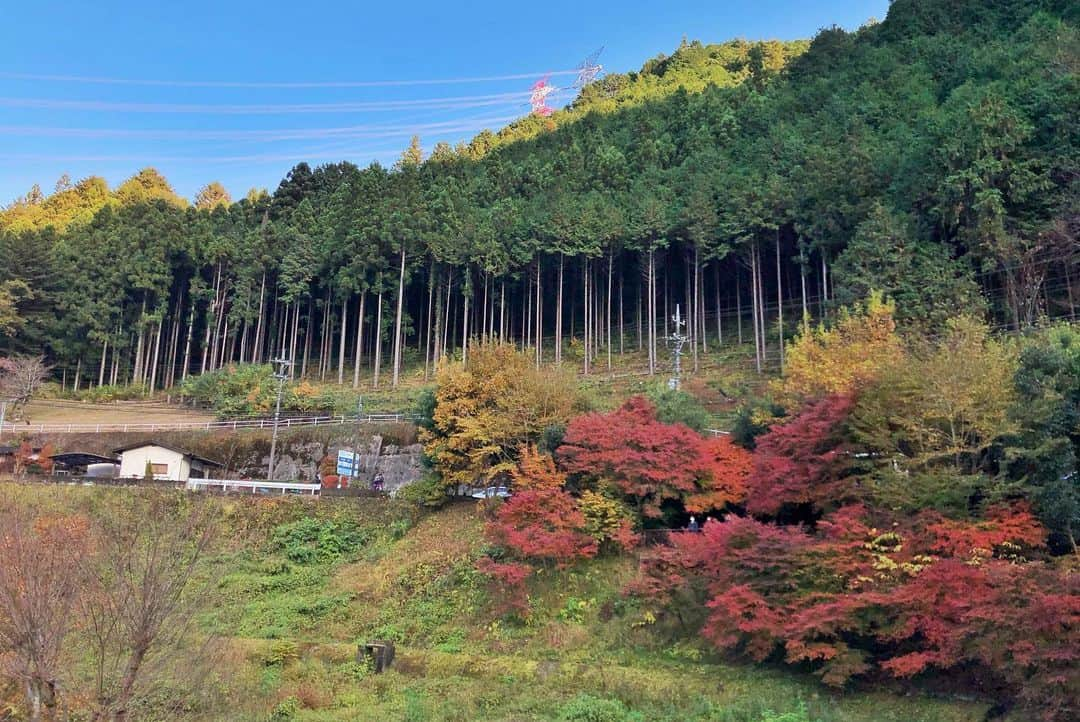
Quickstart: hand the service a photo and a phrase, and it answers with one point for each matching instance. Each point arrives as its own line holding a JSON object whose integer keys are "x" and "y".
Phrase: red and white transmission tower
{"x": 587, "y": 71}
{"x": 540, "y": 91}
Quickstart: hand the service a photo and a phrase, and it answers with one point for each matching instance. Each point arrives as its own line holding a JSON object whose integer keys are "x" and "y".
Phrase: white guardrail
{"x": 262, "y": 423}
{"x": 254, "y": 486}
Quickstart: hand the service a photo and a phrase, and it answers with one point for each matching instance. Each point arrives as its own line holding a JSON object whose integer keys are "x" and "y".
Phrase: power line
{"x": 275, "y": 84}
{"x": 447, "y": 103}
{"x": 353, "y": 131}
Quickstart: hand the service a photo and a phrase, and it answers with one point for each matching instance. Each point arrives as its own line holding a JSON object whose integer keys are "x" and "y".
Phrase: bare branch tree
{"x": 42, "y": 573}
{"x": 145, "y": 597}
{"x": 20, "y": 377}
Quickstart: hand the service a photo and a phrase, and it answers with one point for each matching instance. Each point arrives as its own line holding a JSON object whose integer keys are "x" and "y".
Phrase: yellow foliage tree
{"x": 842, "y": 358}
{"x": 947, "y": 402}
{"x": 488, "y": 409}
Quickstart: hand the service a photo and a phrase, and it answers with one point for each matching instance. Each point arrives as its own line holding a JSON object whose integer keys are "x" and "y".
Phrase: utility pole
{"x": 3, "y": 413}
{"x": 282, "y": 375}
{"x": 677, "y": 340}
{"x": 356, "y": 443}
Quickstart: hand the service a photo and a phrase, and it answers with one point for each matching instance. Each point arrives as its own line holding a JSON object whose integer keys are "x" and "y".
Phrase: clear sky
{"x": 242, "y": 91}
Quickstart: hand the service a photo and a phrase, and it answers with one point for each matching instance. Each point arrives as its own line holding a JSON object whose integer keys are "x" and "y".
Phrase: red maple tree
{"x": 803, "y": 460}
{"x": 541, "y": 521}
{"x": 649, "y": 460}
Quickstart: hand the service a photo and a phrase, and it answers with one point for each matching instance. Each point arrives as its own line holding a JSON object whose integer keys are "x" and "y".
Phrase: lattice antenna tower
{"x": 589, "y": 69}
{"x": 676, "y": 341}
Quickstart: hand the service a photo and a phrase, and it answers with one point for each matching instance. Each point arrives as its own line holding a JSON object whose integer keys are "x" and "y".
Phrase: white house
{"x": 165, "y": 462}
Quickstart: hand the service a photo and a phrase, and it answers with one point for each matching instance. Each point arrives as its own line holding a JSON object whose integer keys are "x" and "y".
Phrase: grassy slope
{"x": 293, "y": 629}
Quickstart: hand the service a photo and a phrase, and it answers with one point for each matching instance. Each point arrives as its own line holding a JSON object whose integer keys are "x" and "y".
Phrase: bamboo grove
{"x": 932, "y": 156}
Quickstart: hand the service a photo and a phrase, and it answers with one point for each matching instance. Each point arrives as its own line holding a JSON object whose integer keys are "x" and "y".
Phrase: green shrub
{"x": 282, "y": 652}
{"x": 251, "y": 390}
{"x": 285, "y": 710}
{"x": 428, "y": 491}
{"x": 586, "y": 708}
{"x": 310, "y": 540}
{"x": 574, "y": 610}
{"x": 424, "y": 408}
{"x": 678, "y": 407}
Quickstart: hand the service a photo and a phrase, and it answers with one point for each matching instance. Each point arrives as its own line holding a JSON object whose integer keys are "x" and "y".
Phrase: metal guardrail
{"x": 255, "y": 486}
{"x": 262, "y": 423}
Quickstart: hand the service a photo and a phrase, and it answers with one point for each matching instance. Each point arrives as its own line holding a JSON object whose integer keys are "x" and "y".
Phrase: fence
{"x": 234, "y": 424}
{"x": 254, "y": 486}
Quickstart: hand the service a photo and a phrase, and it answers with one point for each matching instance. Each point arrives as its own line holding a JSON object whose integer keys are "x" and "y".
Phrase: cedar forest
{"x": 883, "y": 223}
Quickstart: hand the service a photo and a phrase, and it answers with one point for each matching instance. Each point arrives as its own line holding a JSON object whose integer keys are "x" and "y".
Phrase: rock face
{"x": 399, "y": 465}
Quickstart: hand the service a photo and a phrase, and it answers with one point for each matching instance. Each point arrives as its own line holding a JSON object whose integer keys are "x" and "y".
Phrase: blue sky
{"x": 234, "y": 95}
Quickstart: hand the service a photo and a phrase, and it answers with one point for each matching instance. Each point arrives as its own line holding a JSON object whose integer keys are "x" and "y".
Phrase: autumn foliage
{"x": 542, "y": 522}
{"x": 653, "y": 462}
{"x": 843, "y": 358}
{"x": 855, "y": 600}
{"x": 802, "y": 461}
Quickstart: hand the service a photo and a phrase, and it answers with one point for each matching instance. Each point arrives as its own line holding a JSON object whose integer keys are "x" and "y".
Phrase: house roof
{"x": 203, "y": 459}
{"x": 81, "y": 458}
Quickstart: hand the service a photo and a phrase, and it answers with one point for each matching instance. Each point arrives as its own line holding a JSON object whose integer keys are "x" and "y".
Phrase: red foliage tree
{"x": 541, "y": 521}
{"x": 647, "y": 459}
{"x": 729, "y": 467}
{"x": 1013, "y": 525}
{"x": 802, "y": 461}
{"x": 852, "y": 598}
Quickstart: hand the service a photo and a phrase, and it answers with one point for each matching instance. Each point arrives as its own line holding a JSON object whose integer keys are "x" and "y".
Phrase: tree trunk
{"x": 588, "y": 316}
{"x": 378, "y": 343}
{"x": 802, "y": 280}
{"x": 539, "y": 316}
{"x": 754, "y": 306}
{"x": 137, "y": 375}
{"x": 296, "y": 335}
{"x": 446, "y": 321}
{"x": 652, "y": 312}
{"x": 104, "y": 355}
{"x": 610, "y": 272}
{"x": 341, "y": 343}
{"x": 428, "y": 331}
{"x": 256, "y": 350}
{"x": 502, "y": 310}
{"x": 397, "y": 319}
{"x": 779, "y": 302}
{"x": 465, "y": 288}
{"x": 359, "y": 342}
{"x": 157, "y": 355}
{"x": 719, "y": 313}
{"x": 824, "y": 284}
{"x": 622, "y": 323}
{"x": 559, "y": 313}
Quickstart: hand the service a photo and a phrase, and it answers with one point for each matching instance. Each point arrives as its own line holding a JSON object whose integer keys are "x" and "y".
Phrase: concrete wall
{"x": 133, "y": 463}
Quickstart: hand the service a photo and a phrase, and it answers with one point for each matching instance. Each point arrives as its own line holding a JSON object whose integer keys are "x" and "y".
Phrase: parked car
{"x": 491, "y": 492}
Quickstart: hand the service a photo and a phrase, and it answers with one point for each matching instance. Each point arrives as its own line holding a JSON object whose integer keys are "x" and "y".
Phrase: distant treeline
{"x": 932, "y": 156}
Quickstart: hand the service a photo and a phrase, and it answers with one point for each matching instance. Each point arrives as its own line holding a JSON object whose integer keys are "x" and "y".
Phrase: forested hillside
{"x": 932, "y": 156}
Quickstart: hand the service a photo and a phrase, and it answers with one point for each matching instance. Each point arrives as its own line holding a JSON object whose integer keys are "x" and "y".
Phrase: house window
{"x": 160, "y": 469}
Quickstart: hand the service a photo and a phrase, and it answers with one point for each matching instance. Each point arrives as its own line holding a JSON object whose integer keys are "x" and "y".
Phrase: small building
{"x": 166, "y": 463}
{"x": 81, "y": 463}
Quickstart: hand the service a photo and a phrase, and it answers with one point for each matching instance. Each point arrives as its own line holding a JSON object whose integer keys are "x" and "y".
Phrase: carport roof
{"x": 81, "y": 458}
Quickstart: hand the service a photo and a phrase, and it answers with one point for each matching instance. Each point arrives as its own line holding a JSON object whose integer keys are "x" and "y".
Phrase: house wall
{"x": 133, "y": 463}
